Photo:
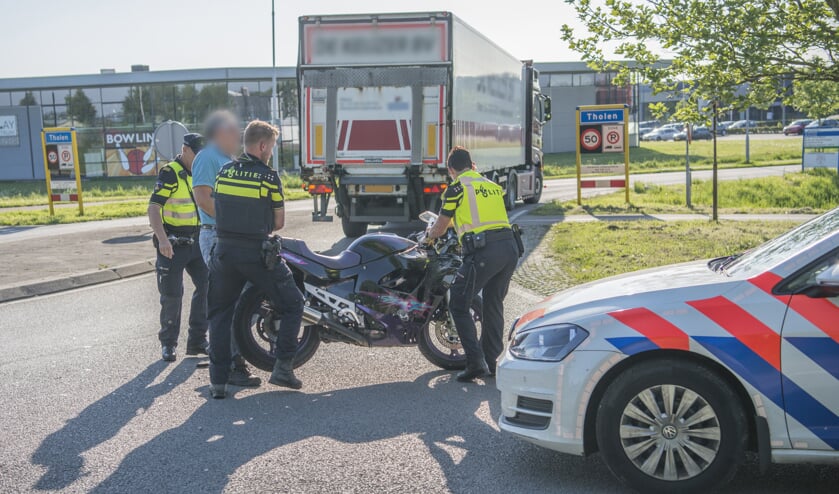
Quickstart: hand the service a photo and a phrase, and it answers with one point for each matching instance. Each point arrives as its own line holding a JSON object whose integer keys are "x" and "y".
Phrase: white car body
{"x": 781, "y": 349}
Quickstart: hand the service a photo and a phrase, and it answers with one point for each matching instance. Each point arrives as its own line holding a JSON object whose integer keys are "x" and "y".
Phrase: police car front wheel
{"x": 667, "y": 425}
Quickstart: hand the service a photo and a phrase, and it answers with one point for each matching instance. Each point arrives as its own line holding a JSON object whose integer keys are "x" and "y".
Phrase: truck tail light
{"x": 317, "y": 189}
{"x": 435, "y": 189}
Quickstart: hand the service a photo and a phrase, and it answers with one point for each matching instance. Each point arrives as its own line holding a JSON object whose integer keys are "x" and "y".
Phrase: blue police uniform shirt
{"x": 205, "y": 168}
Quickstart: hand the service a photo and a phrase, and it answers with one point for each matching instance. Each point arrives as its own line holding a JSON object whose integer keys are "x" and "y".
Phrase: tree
{"x": 79, "y": 107}
{"x": 717, "y": 45}
{"x": 818, "y": 99}
{"x": 28, "y": 99}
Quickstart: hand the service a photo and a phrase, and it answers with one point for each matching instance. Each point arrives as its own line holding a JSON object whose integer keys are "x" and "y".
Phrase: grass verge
{"x": 812, "y": 191}
{"x": 670, "y": 156}
{"x": 586, "y": 252}
{"x": 71, "y": 215}
{"x": 34, "y": 193}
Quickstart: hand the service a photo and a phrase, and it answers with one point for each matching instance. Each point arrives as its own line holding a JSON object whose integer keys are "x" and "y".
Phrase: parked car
{"x": 796, "y": 128}
{"x": 698, "y": 134}
{"x": 825, "y": 123}
{"x": 673, "y": 373}
{"x": 660, "y": 134}
{"x": 742, "y": 124}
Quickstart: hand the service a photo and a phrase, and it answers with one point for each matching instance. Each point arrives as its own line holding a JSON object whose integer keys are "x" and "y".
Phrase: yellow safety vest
{"x": 482, "y": 207}
{"x": 180, "y": 210}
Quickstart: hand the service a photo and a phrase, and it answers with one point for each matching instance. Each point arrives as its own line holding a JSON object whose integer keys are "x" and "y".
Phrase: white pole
{"x": 748, "y": 124}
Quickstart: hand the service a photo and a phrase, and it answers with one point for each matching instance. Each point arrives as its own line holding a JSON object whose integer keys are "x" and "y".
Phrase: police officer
{"x": 248, "y": 207}
{"x": 476, "y": 207}
{"x": 224, "y": 137}
{"x": 173, "y": 216}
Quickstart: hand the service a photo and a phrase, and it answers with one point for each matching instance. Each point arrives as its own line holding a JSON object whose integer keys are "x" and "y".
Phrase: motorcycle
{"x": 382, "y": 291}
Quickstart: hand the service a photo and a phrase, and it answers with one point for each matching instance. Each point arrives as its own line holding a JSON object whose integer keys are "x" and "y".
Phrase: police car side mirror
{"x": 826, "y": 284}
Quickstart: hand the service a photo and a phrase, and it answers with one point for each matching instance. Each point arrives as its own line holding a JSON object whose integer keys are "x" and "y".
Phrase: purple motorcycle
{"x": 383, "y": 291}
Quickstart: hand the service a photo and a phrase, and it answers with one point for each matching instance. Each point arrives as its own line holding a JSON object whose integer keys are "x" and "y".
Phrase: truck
{"x": 384, "y": 97}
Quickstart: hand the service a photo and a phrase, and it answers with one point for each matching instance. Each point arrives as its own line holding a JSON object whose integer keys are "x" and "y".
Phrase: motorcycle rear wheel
{"x": 254, "y": 331}
{"x": 440, "y": 344}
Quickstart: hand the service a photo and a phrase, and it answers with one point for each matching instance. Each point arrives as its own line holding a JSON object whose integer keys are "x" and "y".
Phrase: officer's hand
{"x": 165, "y": 248}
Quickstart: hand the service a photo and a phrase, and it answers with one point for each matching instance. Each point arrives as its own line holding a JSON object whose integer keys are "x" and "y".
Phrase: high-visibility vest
{"x": 482, "y": 207}
{"x": 180, "y": 210}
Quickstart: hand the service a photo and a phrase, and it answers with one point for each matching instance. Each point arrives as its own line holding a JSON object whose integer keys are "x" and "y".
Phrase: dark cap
{"x": 194, "y": 141}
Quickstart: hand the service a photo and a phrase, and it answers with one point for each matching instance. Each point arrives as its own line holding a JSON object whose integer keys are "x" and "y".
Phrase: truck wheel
{"x": 353, "y": 229}
{"x": 671, "y": 426}
{"x": 537, "y": 194}
{"x": 512, "y": 193}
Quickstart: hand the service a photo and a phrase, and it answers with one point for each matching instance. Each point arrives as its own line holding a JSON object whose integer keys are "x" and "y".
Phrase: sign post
{"x": 61, "y": 152}
{"x": 602, "y": 129}
{"x": 820, "y": 148}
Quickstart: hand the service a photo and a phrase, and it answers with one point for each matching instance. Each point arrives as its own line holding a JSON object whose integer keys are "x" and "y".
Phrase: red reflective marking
{"x": 342, "y": 137}
{"x": 820, "y": 312}
{"x": 748, "y": 330}
{"x": 592, "y": 184}
{"x": 659, "y": 330}
{"x": 767, "y": 282}
{"x": 378, "y": 135}
{"x": 406, "y": 136}
{"x": 530, "y": 316}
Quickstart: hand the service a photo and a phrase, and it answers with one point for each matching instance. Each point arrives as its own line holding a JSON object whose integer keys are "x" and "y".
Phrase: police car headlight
{"x": 547, "y": 343}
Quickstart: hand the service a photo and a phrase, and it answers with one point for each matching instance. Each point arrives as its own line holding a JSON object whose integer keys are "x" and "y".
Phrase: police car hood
{"x": 655, "y": 286}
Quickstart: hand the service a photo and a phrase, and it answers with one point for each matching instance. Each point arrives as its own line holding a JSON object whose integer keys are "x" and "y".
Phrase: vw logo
{"x": 669, "y": 432}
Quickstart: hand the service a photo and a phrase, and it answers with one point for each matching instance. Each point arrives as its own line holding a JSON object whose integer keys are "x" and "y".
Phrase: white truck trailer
{"x": 383, "y": 97}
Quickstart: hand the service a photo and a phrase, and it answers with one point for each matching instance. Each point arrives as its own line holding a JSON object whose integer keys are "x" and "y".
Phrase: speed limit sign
{"x": 590, "y": 140}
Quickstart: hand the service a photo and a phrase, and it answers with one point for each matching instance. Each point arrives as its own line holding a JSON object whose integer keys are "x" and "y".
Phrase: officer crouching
{"x": 491, "y": 250}
{"x": 173, "y": 217}
{"x": 249, "y": 207}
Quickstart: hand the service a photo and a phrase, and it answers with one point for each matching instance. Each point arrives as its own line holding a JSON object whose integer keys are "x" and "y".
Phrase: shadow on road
{"x": 61, "y": 452}
{"x": 221, "y": 436}
{"x": 130, "y": 239}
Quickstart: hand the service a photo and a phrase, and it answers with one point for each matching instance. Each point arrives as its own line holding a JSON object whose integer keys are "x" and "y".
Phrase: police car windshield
{"x": 773, "y": 252}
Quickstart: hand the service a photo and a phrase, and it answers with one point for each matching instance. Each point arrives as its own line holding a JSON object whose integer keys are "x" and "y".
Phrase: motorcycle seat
{"x": 345, "y": 260}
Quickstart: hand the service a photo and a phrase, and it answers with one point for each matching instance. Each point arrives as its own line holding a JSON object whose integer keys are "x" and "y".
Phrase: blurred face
{"x": 228, "y": 139}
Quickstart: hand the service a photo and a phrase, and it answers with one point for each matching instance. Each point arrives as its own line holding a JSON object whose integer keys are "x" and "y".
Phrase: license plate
{"x": 378, "y": 189}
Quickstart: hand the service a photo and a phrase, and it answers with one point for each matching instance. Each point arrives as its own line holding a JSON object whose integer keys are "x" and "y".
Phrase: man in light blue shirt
{"x": 224, "y": 135}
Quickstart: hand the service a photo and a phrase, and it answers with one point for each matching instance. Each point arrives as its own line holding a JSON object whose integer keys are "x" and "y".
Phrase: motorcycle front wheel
{"x": 255, "y": 331}
{"x": 440, "y": 344}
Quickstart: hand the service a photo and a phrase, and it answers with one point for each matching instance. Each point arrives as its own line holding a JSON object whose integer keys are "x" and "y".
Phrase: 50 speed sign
{"x": 591, "y": 139}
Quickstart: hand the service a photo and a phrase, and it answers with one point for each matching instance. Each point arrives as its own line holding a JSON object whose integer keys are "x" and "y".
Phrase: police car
{"x": 673, "y": 373}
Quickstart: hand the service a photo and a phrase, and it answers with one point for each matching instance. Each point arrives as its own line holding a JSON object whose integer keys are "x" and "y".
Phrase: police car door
{"x": 810, "y": 357}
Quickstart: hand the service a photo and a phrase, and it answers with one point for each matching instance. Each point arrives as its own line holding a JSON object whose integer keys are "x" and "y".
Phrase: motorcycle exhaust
{"x": 317, "y": 318}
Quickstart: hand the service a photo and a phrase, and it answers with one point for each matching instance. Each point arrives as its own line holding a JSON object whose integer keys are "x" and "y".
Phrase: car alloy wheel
{"x": 670, "y": 432}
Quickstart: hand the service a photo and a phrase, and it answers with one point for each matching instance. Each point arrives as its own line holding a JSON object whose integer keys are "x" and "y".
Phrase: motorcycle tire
{"x": 248, "y": 307}
{"x": 425, "y": 343}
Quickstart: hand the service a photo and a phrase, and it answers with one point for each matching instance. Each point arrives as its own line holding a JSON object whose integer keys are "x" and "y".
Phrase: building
{"x": 115, "y": 114}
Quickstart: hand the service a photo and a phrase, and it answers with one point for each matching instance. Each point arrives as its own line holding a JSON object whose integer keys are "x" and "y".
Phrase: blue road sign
{"x": 601, "y": 116}
{"x": 58, "y": 137}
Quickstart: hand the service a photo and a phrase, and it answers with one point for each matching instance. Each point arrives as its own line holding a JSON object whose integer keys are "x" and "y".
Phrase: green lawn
{"x": 670, "y": 156}
{"x": 589, "y": 251}
{"x": 71, "y": 215}
{"x": 812, "y": 191}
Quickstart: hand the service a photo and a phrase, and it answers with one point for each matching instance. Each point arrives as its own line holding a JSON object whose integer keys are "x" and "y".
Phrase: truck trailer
{"x": 384, "y": 97}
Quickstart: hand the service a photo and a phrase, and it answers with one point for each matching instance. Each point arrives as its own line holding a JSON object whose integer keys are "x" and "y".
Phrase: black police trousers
{"x": 233, "y": 264}
{"x": 488, "y": 269}
{"x": 170, "y": 284}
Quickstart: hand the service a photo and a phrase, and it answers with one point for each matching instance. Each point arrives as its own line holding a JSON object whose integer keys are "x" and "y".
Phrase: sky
{"x": 58, "y": 37}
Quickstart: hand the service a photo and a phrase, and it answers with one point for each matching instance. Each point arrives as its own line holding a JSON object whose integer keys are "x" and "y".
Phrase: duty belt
{"x": 208, "y": 227}
{"x": 473, "y": 242}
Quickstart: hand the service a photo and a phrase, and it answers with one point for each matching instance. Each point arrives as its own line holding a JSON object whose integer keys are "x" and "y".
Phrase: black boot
{"x": 168, "y": 353}
{"x": 218, "y": 391}
{"x": 283, "y": 375}
{"x": 472, "y": 372}
{"x": 241, "y": 374}
{"x": 197, "y": 348}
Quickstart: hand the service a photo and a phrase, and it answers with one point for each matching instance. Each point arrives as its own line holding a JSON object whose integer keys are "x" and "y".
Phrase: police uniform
{"x": 173, "y": 193}
{"x": 246, "y": 194}
{"x": 491, "y": 253}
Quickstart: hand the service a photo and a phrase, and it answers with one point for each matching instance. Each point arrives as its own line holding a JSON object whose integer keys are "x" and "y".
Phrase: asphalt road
{"x": 89, "y": 407}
